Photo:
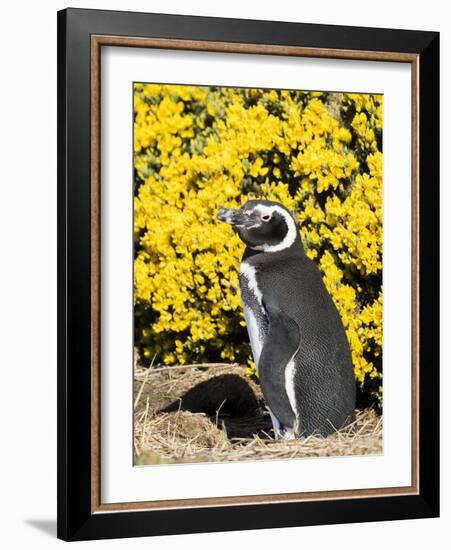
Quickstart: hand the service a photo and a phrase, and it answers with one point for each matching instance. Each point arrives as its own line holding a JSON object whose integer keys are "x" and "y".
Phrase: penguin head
{"x": 265, "y": 226}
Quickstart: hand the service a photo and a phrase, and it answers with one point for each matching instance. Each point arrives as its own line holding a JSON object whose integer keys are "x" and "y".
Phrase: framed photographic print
{"x": 248, "y": 274}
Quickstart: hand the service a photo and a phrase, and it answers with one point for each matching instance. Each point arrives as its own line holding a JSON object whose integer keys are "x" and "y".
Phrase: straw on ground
{"x": 185, "y": 436}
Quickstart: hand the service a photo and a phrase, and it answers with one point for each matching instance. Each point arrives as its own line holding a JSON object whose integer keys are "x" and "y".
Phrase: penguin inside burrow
{"x": 297, "y": 337}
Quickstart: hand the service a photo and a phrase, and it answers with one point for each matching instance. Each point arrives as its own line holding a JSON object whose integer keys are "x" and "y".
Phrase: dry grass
{"x": 186, "y": 436}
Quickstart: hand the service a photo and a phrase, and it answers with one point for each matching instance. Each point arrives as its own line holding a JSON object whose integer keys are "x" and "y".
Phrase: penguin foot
{"x": 280, "y": 431}
{"x": 285, "y": 433}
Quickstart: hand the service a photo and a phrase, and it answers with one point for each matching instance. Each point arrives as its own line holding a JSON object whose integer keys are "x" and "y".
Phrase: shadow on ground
{"x": 46, "y": 526}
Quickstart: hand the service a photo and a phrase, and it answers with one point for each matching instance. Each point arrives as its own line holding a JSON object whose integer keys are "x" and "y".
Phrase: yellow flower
{"x": 199, "y": 148}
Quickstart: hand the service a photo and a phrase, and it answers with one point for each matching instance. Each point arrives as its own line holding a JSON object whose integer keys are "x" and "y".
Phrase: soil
{"x": 215, "y": 413}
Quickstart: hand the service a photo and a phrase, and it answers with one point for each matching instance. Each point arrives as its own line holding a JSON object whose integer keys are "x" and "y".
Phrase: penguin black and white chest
{"x": 297, "y": 337}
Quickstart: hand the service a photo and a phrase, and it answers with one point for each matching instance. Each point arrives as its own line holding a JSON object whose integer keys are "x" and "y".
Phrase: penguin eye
{"x": 266, "y": 217}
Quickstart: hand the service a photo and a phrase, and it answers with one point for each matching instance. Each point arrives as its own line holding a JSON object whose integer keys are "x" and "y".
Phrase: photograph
{"x": 257, "y": 273}
{"x": 248, "y": 254}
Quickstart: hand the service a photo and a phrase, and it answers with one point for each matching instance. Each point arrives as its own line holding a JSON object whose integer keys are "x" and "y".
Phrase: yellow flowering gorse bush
{"x": 199, "y": 148}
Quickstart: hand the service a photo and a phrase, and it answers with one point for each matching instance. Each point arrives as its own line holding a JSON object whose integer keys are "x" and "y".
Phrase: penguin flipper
{"x": 280, "y": 346}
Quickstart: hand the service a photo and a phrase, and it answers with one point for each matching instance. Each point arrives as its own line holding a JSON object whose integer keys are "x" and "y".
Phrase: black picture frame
{"x": 76, "y": 518}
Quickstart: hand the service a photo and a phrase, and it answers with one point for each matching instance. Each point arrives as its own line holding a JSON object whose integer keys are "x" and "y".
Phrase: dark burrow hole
{"x": 231, "y": 404}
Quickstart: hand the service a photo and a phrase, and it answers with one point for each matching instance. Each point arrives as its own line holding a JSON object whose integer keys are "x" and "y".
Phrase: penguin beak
{"x": 231, "y": 216}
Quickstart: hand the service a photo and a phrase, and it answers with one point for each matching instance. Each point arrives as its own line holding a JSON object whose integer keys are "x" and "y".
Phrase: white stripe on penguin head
{"x": 289, "y": 238}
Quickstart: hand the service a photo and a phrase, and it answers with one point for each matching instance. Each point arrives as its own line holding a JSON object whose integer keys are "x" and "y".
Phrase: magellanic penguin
{"x": 297, "y": 337}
